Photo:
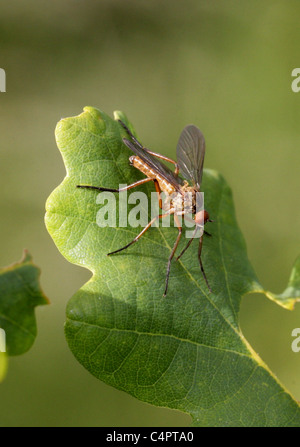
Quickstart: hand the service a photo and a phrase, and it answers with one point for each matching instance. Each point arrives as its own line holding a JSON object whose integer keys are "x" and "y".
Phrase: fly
{"x": 190, "y": 156}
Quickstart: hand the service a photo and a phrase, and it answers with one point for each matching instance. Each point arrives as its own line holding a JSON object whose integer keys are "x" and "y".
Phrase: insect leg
{"x": 190, "y": 241}
{"x": 188, "y": 244}
{"x": 163, "y": 157}
{"x": 172, "y": 253}
{"x": 133, "y": 185}
{"x": 200, "y": 262}
{"x": 140, "y": 234}
{"x": 158, "y": 190}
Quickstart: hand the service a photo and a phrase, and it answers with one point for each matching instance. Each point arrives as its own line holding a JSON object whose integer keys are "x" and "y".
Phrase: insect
{"x": 190, "y": 156}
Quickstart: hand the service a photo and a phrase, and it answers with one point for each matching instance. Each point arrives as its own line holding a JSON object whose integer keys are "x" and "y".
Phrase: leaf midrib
{"x": 156, "y": 334}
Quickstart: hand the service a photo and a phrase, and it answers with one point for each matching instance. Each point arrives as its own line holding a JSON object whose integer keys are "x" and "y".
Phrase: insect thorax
{"x": 183, "y": 202}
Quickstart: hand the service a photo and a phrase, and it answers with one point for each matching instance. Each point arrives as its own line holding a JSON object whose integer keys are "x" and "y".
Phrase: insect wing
{"x": 190, "y": 153}
{"x": 154, "y": 163}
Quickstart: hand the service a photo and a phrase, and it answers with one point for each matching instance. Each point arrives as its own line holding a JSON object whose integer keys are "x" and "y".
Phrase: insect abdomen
{"x": 139, "y": 164}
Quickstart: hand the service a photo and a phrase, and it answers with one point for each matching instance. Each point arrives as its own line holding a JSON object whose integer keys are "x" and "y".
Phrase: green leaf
{"x": 184, "y": 351}
{"x": 20, "y": 293}
{"x": 3, "y": 365}
{"x": 291, "y": 294}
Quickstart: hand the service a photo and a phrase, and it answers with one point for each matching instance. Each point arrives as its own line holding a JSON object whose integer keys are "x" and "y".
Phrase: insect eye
{"x": 206, "y": 216}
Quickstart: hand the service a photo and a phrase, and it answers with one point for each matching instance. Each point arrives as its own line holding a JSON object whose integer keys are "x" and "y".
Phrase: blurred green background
{"x": 223, "y": 65}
